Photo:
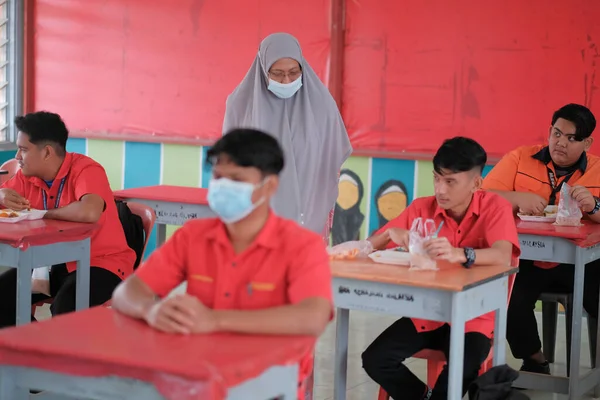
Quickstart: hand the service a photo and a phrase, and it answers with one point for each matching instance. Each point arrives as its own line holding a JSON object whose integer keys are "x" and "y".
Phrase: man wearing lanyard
{"x": 72, "y": 187}
{"x": 530, "y": 177}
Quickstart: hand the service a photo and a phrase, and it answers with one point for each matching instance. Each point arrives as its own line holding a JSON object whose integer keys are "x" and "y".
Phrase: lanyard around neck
{"x": 58, "y": 195}
{"x": 556, "y": 187}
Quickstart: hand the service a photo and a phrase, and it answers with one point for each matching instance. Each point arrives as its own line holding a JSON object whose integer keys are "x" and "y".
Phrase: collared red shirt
{"x": 82, "y": 175}
{"x": 488, "y": 219}
{"x": 284, "y": 265}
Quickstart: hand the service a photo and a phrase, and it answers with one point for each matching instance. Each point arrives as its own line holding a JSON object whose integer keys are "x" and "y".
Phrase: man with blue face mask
{"x": 247, "y": 271}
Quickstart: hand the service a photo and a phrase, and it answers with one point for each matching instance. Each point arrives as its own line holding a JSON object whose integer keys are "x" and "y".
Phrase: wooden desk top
{"x": 449, "y": 277}
{"x": 100, "y": 341}
{"x": 585, "y": 235}
{"x": 40, "y": 232}
{"x": 174, "y": 194}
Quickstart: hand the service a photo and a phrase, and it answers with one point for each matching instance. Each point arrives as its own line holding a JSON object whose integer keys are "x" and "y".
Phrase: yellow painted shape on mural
{"x": 391, "y": 204}
{"x": 348, "y": 194}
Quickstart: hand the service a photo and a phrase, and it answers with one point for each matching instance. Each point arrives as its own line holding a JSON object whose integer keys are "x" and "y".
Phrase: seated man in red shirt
{"x": 479, "y": 230}
{"x": 247, "y": 271}
{"x": 72, "y": 187}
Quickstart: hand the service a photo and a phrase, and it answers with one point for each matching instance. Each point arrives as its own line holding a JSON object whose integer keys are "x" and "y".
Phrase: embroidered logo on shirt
{"x": 264, "y": 286}
{"x": 202, "y": 278}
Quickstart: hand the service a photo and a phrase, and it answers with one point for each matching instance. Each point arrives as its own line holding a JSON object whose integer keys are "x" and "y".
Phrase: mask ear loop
{"x": 258, "y": 186}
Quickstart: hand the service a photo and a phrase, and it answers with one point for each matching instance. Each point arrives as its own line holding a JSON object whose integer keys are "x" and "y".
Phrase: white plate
{"x": 23, "y": 216}
{"x": 391, "y": 257}
{"x": 533, "y": 218}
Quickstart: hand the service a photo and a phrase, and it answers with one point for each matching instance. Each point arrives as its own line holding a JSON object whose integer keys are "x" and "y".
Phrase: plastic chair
{"x": 436, "y": 359}
{"x": 12, "y": 166}
{"x": 148, "y": 220}
{"x": 550, "y": 302}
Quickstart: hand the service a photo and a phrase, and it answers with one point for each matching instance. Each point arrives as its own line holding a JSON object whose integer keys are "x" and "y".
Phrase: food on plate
{"x": 8, "y": 214}
{"x": 345, "y": 255}
{"x": 548, "y": 212}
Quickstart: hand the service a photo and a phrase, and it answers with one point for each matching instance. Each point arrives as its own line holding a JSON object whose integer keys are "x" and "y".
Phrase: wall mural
{"x": 390, "y": 200}
{"x": 392, "y": 186}
{"x": 348, "y": 217}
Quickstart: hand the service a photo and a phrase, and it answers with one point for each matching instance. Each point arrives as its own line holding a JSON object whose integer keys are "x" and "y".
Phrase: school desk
{"x": 452, "y": 294}
{"x": 569, "y": 245}
{"x": 102, "y": 354}
{"x": 173, "y": 205}
{"x": 29, "y": 244}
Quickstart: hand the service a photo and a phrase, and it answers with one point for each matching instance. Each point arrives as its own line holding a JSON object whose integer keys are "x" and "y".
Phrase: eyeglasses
{"x": 280, "y": 75}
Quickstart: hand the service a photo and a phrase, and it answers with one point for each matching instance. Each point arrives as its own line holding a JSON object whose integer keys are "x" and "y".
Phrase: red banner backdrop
{"x": 415, "y": 72}
{"x": 158, "y": 67}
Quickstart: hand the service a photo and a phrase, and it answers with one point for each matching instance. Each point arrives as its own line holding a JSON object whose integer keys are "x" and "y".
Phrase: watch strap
{"x": 470, "y": 256}
{"x": 596, "y": 207}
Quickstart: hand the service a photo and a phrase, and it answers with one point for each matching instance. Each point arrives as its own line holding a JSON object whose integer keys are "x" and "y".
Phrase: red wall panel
{"x": 155, "y": 66}
{"x": 417, "y": 71}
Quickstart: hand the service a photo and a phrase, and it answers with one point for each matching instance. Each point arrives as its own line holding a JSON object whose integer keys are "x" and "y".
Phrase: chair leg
{"x": 434, "y": 369}
{"x": 569, "y": 323}
{"x": 592, "y": 334}
{"x": 549, "y": 321}
{"x": 486, "y": 366}
{"x": 382, "y": 395}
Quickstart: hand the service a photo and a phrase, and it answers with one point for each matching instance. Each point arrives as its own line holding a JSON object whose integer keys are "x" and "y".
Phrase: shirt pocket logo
{"x": 262, "y": 286}
{"x": 202, "y": 278}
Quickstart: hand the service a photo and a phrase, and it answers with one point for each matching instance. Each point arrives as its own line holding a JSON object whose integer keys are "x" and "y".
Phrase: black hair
{"x": 249, "y": 148}
{"x": 44, "y": 128}
{"x": 459, "y": 154}
{"x": 581, "y": 116}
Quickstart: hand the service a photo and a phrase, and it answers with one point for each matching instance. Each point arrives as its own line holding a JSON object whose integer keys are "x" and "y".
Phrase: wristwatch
{"x": 470, "y": 256}
{"x": 596, "y": 207}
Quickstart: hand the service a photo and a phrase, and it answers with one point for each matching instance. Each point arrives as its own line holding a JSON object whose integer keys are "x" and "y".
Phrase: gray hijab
{"x": 308, "y": 126}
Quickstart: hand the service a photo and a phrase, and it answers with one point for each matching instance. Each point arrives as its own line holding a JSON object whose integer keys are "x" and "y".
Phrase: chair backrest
{"x": 12, "y": 166}
{"x": 148, "y": 217}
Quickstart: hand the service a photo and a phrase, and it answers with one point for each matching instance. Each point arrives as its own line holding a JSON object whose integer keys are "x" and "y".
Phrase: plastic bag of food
{"x": 350, "y": 250}
{"x": 569, "y": 213}
{"x": 420, "y": 232}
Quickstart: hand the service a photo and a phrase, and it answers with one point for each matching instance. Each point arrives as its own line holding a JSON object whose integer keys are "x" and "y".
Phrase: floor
{"x": 364, "y": 327}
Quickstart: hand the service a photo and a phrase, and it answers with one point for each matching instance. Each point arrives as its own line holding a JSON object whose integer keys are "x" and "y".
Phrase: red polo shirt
{"x": 82, "y": 175}
{"x": 488, "y": 219}
{"x": 284, "y": 265}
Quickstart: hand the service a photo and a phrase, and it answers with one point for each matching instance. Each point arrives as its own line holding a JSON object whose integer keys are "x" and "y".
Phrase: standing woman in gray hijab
{"x": 283, "y": 96}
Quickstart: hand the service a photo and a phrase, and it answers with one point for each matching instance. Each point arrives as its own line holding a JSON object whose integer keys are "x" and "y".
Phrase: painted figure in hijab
{"x": 283, "y": 96}
{"x": 391, "y": 199}
{"x": 348, "y": 219}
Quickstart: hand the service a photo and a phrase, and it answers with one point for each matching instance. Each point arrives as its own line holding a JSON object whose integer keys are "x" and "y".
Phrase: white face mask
{"x": 285, "y": 90}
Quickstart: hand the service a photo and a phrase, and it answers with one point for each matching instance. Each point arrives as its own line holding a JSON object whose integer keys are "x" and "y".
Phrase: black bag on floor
{"x": 496, "y": 384}
{"x": 134, "y": 230}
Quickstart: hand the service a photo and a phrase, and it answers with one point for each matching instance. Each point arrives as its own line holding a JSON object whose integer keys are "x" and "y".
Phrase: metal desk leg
{"x": 576, "y": 325}
{"x": 161, "y": 234}
{"x": 457, "y": 347}
{"x": 24, "y": 288}
{"x": 500, "y": 329}
{"x": 597, "y": 387}
{"x": 8, "y": 387}
{"x": 82, "y": 282}
{"x": 341, "y": 353}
